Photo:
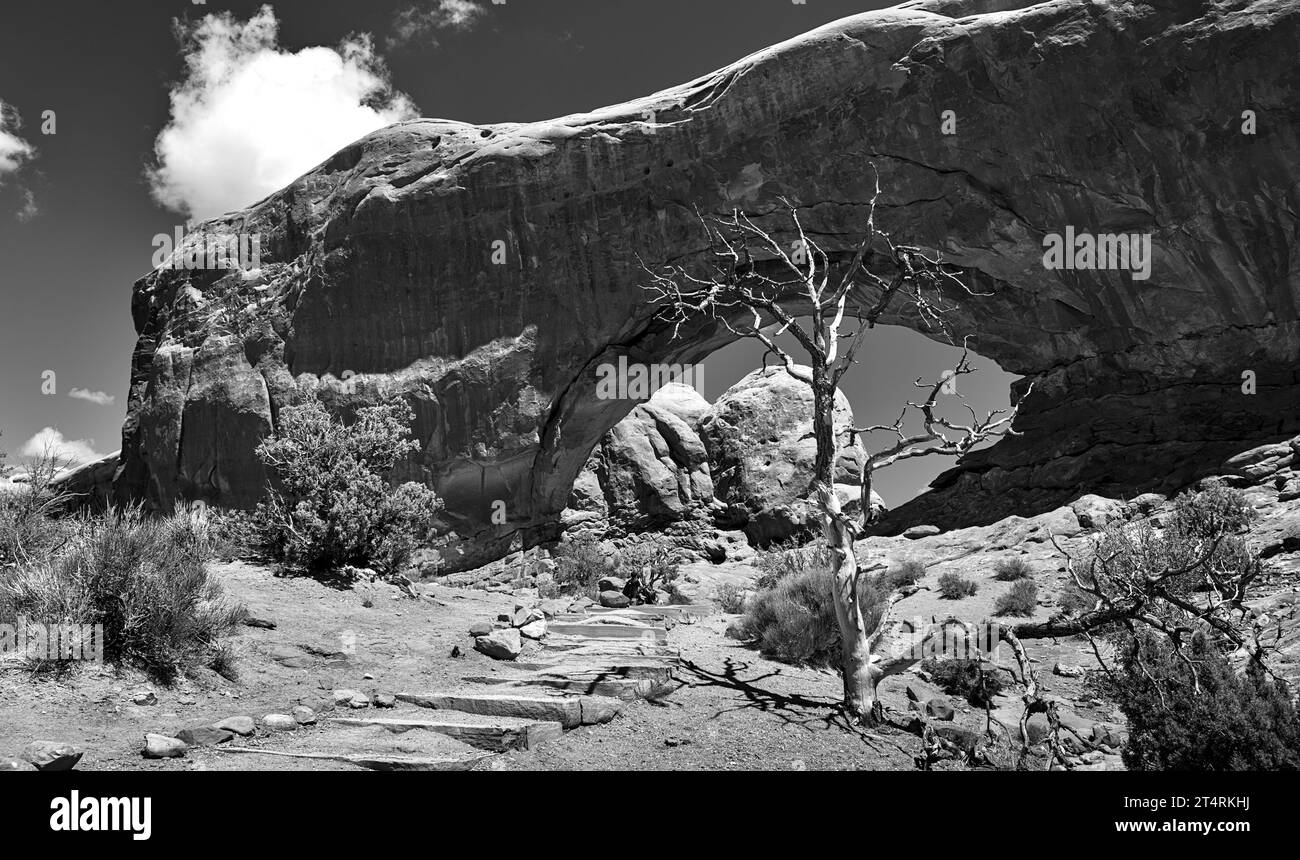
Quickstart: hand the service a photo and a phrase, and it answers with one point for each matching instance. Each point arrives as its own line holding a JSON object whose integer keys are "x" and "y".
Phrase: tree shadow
{"x": 810, "y": 713}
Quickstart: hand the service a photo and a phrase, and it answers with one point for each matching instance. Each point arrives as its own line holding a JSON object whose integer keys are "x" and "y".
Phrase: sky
{"x": 120, "y": 121}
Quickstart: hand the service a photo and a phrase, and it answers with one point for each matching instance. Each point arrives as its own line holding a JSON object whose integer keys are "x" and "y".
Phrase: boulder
{"x": 651, "y": 469}
{"x": 242, "y": 726}
{"x": 304, "y": 715}
{"x": 615, "y": 599}
{"x": 52, "y": 755}
{"x": 939, "y": 709}
{"x": 481, "y": 628}
{"x": 500, "y": 644}
{"x": 760, "y": 446}
{"x": 346, "y": 698}
{"x": 204, "y": 736}
{"x": 161, "y": 746}
{"x": 279, "y": 723}
{"x": 1096, "y": 512}
{"x": 918, "y": 532}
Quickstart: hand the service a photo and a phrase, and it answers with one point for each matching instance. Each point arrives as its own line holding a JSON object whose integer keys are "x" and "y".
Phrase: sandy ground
{"x": 732, "y": 710}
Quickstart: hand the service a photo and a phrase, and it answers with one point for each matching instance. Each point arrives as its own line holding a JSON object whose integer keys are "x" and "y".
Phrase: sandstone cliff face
{"x": 1107, "y": 117}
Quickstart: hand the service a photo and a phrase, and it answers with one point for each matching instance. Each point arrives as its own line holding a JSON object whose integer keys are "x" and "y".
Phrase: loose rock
{"x": 500, "y": 644}
{"x": 161, "y": 746}
{"x": 279, "y": 723}
{"x": 204, "y": 736}
{"x": 52, "y": 755}
{"x": 242, "y": 726}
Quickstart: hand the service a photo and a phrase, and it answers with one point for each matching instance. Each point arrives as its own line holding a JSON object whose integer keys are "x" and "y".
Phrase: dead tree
{"x": 759, "y": 288}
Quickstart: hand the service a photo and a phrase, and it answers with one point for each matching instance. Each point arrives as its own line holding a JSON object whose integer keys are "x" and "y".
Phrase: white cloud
{"x": 421, "y": 22}
{"x": 14, "y": 151}
{"x": 99, "y": 398}
{"x": 250, "y": 116}
{"x": 51, "y": 442}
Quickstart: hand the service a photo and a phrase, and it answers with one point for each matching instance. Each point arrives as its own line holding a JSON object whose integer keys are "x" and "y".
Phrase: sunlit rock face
{"x": 485, "y": 273}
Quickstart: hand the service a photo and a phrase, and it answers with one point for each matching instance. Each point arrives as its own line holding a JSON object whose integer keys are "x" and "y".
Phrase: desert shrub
{"x": 1238, "y": 721}
{"x": 954, "y": 586}
{"x": 144, "y": 579}
{"x": 235, "y": 534}
{"x": 332, "y": 504}
{"x": 1012, "y": 569}
{"x": 782, "y": 560}
{"x": 969, "y": 679}
{"x": 648, "y": 569}
{"x": 795, "y": 622}
{"x": 730, "y": 597}
{"x": 1021, "y": 599}
{"x": 579, "y": 565}
{"x": 909, "y": 572}
{"x": 32, "y": 525}
{"x": 1200, "y": 523}
{"x": 1075, "y": 600}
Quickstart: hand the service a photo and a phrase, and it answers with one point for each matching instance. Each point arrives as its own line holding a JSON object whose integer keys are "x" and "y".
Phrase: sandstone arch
{"x": 1105, "y": 116}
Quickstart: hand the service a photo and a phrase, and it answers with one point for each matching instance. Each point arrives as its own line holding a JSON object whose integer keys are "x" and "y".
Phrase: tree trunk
{"x": 855, "y": 650}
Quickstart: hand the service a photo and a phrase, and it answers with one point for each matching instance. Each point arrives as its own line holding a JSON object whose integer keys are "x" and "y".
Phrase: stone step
{"x": 568, "y": 711}
{"x": 610, "y": 649}
{"x": 658, "y": 670}
{"x": 694, "y": 610}
{"x": 497, "y": 734}
{"x": 627, "y": 689}
{"x": 370, "y": 761}
{"x": 620, "y": 619}
{"x": 580, "y": 632}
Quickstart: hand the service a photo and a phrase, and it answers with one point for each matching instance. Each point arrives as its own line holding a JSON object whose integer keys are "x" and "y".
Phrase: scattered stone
{"x": 482, "y": 628}
{"x": 242, "y": 726}
{"x": 614, "y": 599}
{"x": 1146, "y": 503}
{"x": 675, "y": 741}
{"x": 279, "y": 723}
{"x": 500, "y": 644}
{"x": 161, "y": 746}
{"x": 385, "y": 700}
{"x": 205, "y": 736}
{"x": 52, "y": 755}
{"x": 1068, "y": 671}
{"x": 367, "y": 677}
{"x": 1095, "y": 512}
{"x": 1108, "y": 736}
{"x": 524, "y": 617}
{"x": 351, "y": 699}
{"x": 304, "y": 715}
{"x": 938, "y": 709}
{"x": 455, "y": 651}
{"x": 918, "y": 532}
{"x": 534, "y": 629}
{"x": 13, "y": 764}
{"x": 145, "y": 697}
